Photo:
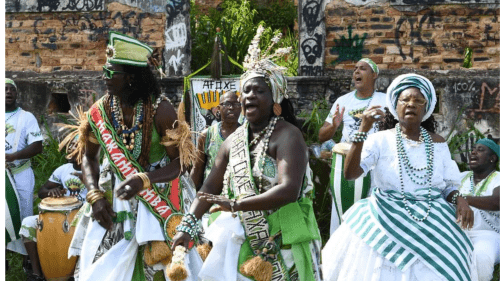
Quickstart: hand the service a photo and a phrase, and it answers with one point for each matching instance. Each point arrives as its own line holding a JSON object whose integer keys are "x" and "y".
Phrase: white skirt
{"x": 346, "y": 257}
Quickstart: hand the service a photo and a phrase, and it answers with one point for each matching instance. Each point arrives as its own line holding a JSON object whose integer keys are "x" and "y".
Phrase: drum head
{"x": 341, "y": 148}
{"x": 60, "y": 204}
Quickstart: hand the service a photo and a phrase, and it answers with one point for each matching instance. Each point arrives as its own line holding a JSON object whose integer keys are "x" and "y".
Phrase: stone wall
{"x": 400, "y": 34}
{"x": 64, "y": 36}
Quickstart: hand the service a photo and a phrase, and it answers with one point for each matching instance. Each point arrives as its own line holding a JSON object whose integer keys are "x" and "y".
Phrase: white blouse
{"x": 380, "y": 156}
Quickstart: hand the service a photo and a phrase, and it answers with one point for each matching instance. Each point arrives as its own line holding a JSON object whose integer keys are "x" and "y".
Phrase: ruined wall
{"x": 412, "y": 34}
{"x": 70, "y": 35}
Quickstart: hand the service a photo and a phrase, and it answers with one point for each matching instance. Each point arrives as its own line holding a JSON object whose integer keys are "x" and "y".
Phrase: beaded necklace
{"x": 404, "y": 162}
{"x": 131, "y": 138}
{"x": 266, "y": 132}
{"x": 472, "y": 189}
{"x": 14, "y": 113}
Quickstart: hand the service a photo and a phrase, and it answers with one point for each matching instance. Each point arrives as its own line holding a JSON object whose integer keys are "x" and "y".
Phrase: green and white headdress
{"x": 259, "y": 64}
{"x": 10, "y": 81}
{"x": 123, "y": 49}
{"x": 411, "y": 80}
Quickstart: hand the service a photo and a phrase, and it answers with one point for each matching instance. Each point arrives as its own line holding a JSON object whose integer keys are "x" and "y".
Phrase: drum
{"x": 54, "y": 235}
{"x": 345, "y": 193}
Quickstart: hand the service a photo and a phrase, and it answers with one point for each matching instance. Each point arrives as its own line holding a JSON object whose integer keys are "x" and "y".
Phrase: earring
{"x": 217, "y": 114}
{"x": 277, "y": 109}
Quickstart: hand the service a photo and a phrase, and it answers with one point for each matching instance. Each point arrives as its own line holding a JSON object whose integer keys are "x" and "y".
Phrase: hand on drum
{"x": 223, "y": 202}
{"x": 56, "y": 192}
{"x": 103, "y": 213}
{"x": 129, "y": 188}
{"x": 371, "y": 115}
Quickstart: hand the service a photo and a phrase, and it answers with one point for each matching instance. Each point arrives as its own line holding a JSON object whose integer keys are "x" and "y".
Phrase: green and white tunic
{"x": 381, "y": 241}
{"x": 484, "y": 235}
{"x": 298, "y": 257}
{"x": 213, "y": 143}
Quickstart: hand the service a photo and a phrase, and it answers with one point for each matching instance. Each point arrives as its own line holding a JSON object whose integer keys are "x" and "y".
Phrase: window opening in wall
{"x": 59, "y": 103}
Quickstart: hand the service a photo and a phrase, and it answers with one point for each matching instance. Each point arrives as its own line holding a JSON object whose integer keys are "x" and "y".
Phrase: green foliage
{"x": 238, "y": 22}
{"x": 277, "y": 14}
{"x": 314, "y": 121}
{"x": 15, "y": 262}
{"x": 45, "y": 163}
{"x": 456, "y": 140}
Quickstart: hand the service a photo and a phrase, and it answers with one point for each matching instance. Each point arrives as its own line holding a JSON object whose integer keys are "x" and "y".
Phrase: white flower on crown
{"x": 256, "y": 60}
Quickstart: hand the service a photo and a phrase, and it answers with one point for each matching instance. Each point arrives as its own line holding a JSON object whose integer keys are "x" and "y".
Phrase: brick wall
{"x": 433, "y": 38}
{"x": 46, "y": 42}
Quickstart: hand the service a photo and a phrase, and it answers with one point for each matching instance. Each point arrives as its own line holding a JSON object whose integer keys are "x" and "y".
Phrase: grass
{"x": 15, "y": 272}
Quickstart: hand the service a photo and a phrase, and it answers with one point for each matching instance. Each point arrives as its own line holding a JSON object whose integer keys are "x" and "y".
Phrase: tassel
{"x": 78, "y": 131}
{"x": 257, "y": 268}
{"x": 204, "y": 250}
{"x": 177, "y": 271}
{"x": 157, "y": 251}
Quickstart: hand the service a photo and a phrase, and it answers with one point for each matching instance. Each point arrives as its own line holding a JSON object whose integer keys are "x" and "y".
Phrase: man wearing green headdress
{"x": 136, "y": 199}
{"x": 481, "y": 185}
{"x": 347, "y": 110}
{"x": 23, "y": 140}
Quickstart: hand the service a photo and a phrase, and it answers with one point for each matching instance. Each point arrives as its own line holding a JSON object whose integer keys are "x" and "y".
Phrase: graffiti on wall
{"x": 409, "y": 29}
{"x": 95, "y": 28}
{"x": 16, "y": 6}
{"x": 437, "y": 2}
{"x": 312, "y": 37}
{"x": 177, "y": 52}
{"x": 348, "y": 49}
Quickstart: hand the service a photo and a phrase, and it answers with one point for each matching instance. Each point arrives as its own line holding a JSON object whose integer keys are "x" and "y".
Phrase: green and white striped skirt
{"x": 345, "y": 193}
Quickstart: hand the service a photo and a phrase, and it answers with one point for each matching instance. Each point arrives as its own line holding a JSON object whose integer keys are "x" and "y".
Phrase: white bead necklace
{"x": 404, "y": 162}
{"x": 266, "y": 132}
{"x": 472, "y": 190}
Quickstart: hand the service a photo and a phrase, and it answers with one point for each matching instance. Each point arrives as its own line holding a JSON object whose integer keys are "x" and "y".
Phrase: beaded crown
{"x": 259, "y": 64}
{"x": 123, "y": 49}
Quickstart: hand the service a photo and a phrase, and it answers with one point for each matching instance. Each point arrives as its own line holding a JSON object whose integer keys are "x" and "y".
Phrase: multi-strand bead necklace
{"x": 264, "y": 136}
{"x": 472, "y": 190}
{"x": 131, "y": 138}
{"x": 404, "y": 163}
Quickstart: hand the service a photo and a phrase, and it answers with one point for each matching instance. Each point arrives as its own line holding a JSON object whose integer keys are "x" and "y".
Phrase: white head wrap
{"x": 411, "y": 80}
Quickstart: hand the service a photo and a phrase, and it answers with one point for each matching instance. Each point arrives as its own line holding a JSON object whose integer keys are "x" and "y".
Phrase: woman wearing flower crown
{"x": 135, "y": 197}
{"x": 407, "y": 230}
{"x": 268, "y": 230}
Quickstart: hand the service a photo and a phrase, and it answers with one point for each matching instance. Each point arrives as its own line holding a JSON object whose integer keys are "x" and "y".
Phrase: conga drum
{"x": 54, "y": 235}
{"x": 345, "y": 193}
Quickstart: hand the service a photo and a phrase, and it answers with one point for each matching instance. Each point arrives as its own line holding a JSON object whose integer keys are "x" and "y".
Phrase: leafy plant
{"x": 46, "y": 162}
{"x": 278, "y": 14}
{"x": 238, "y": 22}
{"x": 314, "y": 121}
{"x": 461, "y": 142}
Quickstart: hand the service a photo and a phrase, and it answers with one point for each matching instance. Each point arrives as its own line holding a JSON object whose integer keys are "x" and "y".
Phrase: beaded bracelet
{"x": 186, "y": 229}
{"x": 455, "y": 197}
{"x": 359, "y": 137}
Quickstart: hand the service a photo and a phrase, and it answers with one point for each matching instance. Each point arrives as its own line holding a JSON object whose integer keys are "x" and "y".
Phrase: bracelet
{"x": 359, "y": 137}
{"x": 146, "y": 183}
{"x": 232, "y": 207}
{"x": 455, "y": 197}
{"x": 94, "y": 195}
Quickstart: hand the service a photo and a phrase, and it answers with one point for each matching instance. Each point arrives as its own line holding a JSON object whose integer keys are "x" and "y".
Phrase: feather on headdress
{"x": 259, "y": 64}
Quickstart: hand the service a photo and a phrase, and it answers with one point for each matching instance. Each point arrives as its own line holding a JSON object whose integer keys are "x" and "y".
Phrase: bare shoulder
{"x": 437, "y": 138}
{"x": 289, "y": 134}
{"x": 165, "y": 115}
